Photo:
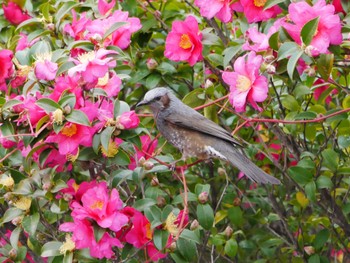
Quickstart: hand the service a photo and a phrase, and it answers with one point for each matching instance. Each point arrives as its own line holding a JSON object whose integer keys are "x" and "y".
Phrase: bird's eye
{"x": 157, "y": 98}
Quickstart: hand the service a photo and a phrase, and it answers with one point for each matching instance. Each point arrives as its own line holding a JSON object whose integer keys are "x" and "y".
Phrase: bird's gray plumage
{"x": 197, "y": 136}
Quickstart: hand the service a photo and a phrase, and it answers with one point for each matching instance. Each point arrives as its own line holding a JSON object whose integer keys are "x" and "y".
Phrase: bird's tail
{"x": 252, "y": 171}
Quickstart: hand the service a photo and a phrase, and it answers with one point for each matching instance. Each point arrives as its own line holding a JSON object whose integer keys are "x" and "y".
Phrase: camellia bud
{"x": 268, "y": 59}
{"x": 270, "y": 69}
{"x": 237, "y": 201}
{"x": 154, "y": 181}
{"x": 194, "y": 225}
{"x": 47, "y": 186}
{"x": 309, "y": 250}
{"x": 148, "y": 165}
{"x": 17, "y": 220}
{"x": 208, "y": 84}
{"x": 67, "y": 197}
{"x": 172, "y": 247}
{"x": 151, "y": 63}
{"x": 142, "y": 160}
{"x": 13, "y": 254}
{"x": 67, "y": 109}
{"x": 228, "y": 231}
{"x": 161, "y": 201}
{"x": 221, "y": 171}
{"x": 311, "y": 72}
{"x": 311, "y": 50}
{"x": 50, "y": 26}
{"x": 203, "y": 197}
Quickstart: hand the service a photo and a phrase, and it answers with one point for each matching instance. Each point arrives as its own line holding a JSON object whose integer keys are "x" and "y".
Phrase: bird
{"x": 196, "y": 136}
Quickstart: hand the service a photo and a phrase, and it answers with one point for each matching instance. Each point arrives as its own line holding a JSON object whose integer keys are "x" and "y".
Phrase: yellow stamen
{"x": 243, "y": 83}
{"x": 86, "y": 57}
{"x": 148, "y": 231}
{"x": 57, "y": 116}
{"x": 69, "y": 130}
{"x": 104, "y": 80}
{"x": 111, "y": 151}
{"x": 259, "y": 3}
{"x": 185, "y": 42}
{"x": 23, "y": 203}
{"x": 170, "y": 224}
{"x": 68, "y": 245}
{"x": 98, "y": 204}
{"x": 7, "y": 181}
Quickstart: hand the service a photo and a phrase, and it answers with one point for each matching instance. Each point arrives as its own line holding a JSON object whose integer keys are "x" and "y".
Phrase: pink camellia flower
{"x": 328, "y": 31}
{"x": 83, "y": 237}
{"x": 66, "y": 84}
{"x": 140, "y": 234}
{"x": 6, "y": 142}
{"x": 92, "y": 65}
{"x": 29, "y": 111}
{"x": 76, "y": 191}
{"x": 148, "y": 148}
{"x": 14, "y": 14}
{"x": 257, "y": 41}
{"x": 70, "y": 137}
{"x": 322, "y": 88}
{"x": 6, "y": 68}
{"x": 128, "y": 120}
{"x": 104, "y": 7}
{"x": 183, "y": 43}
{"x": 110, "y": 83}
{"x": 78, "y": 26}
{"x": 45, "y": 69}
{"x": 96, "y": 204}
{"x": 120, "y": 37}
{"x": 218, "y": 8}
{"x": 246, "y": 83}
{"x": 254, "y": 10}
{"x": 23, "y": 42}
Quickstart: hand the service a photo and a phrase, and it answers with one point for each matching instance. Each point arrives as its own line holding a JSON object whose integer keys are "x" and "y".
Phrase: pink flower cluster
{"x": 14, "y": 13}
{"x": 246, "y": 82}
{"x": 95, "y": 207}
{"x": 83, "y": 28}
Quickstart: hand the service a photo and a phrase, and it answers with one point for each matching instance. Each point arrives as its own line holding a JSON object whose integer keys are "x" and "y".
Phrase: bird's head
{"x": 157, "y": 99}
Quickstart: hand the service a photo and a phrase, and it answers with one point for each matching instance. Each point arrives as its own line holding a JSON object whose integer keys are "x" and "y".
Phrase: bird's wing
{"x": 193, "y": 120}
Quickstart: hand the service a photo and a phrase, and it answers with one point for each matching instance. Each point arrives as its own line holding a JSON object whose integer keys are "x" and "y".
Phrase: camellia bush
{"x": 86, "y": 177}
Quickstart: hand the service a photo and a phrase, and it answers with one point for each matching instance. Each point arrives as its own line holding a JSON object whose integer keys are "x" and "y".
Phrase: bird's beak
{"x": 142, "y": 103}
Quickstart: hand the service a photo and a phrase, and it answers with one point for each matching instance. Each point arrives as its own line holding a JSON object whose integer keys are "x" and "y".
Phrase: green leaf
{"x": 120, "y": 107}
{"x": 308, "y": 31}
{"x": 271, "y": 3}
{"x": 300, "y": 175}
{"x": 324, "y": 182}
{"x": 30, "y": 223}
{"x": 314, "y": 259}
{"x": 235, "y": 215}
{"x": 10, "y": 214}
{"x": 64, "y": 9}
{"x": 166, "y": 68}
{"x": 290, "y": 103}
{"x": 210, "y": 39}
{"x": 142, "y": 204}
{"x": 187, "y": 248}
{"x": 153, "y": 80}
{"x": 288, "y": 49}
{"x": 205, "y": 215}
{"x": 113, "y": 28}
{"x": 321, "y": 238}
{"x": 68, "y": 257}
{"x": 98, "y": 232}
{"x": 15, "y": 237}
{"x": 190, "y": 235}
{"x": 292, "y": 63}
{"x": 11, "y": 103}
{"x": 106, "y": 136}
{"x": 51, "y": 249}
{"x": 330, "y": 159}
{"x": 194, "y": 98}
{"x": 306, "y": 115}
{"x": 229, "y": 54}
{"x": 69, "y": 100}
{"x": 325, "y": 65}
{"x": 160, "y": 238}
{"x": 310, "y": 190}
{"x": 231, "y": 247}
{"x": 79, "y": 117}
{"x": 48, "y": 105}
{"x": 32, "y": 22}
{"x": 274, "y": 41}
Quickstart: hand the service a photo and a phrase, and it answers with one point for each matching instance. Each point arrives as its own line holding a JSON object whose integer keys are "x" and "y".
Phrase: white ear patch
{"x": 214, "y": 153}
